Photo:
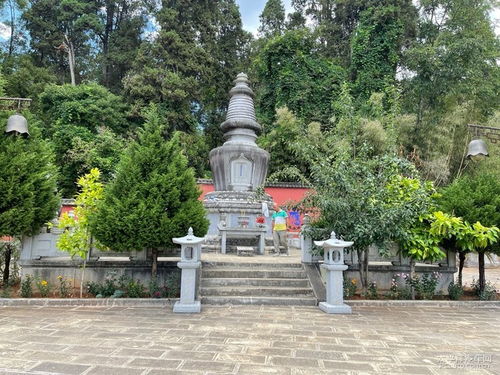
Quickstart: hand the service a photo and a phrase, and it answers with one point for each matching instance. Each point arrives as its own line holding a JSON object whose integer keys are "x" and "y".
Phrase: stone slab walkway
{"x": 249, "y": 340}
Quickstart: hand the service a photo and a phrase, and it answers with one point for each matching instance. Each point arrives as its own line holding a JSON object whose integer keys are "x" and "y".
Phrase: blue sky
{"x": 250, "y": 11}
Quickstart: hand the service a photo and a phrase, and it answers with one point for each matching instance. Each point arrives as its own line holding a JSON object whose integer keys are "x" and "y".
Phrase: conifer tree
{"x": 272, "y": 19}
{"x": 27, "y": 184}
{"x": 153, "y": 198}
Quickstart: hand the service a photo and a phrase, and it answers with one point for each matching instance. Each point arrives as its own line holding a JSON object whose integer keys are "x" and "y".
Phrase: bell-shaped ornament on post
{"x": 477, "y": 149}
{"x": 17, "y": 124}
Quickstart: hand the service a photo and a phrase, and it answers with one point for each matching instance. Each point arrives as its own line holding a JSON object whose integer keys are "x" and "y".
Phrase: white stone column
{"x": 305, "y": 242}
{"x": 334, "y": 266}
{"x": 187, "y": 302}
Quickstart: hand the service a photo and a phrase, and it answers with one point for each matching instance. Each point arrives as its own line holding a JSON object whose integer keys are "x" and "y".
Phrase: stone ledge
{"x": 420, "y": 303}
{"x": 168, "y": 302}
{"x": 111, "y": 302}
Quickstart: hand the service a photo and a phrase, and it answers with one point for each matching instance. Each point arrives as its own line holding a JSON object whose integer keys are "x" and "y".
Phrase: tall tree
{"x": 272, "y": 19}
{"x": 333, "y": 21}
{"x": 153, "y": 198}
{"x": 86, "y": 124}
{"x": 455, "y": 58}
{"x": 377, "y": 45}
{"x": 27, "y": 182}
{"x": 454, "y": 79}
{"x": 292, "y": 73}
{"x": 227, "y": 44}
{"x": 60, "y": 32}
{"x": 169, "y": 70}
{"x": 476, "y": 198}
{"x": 121, "y": 23}
{"x": 12, "y": 9}
{"x": 189, "y": 66}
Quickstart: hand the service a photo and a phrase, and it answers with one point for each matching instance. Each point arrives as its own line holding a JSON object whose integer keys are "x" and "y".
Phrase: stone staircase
{"x": 246, "y": 283}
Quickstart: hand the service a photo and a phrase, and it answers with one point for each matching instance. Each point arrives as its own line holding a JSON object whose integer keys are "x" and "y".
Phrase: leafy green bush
{"x": 27, "y": 286}
{"x": 372, "y": 292}
{"x": 64, "y": 287}
{"x": 398, "y": 292}
{"x": 488, "y": 294}
{"x": 154, "y": 289}
{"x": 455, "y": 291}
{"x": 350, "y": 287}
{"x": 6, "y": 292}
{"x": 425, "y": 285}
{"x": 135, "y": 289}
{"x": 172, "y": 286}
{"x": 43, "y": 287}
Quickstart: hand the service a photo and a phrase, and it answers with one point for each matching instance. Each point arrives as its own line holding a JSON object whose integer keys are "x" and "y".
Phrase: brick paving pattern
{"x": 249, "y": 340}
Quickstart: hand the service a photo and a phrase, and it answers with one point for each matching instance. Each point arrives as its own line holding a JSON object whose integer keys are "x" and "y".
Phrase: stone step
{"x": 242, "y": 300}
{"x": 258, "y": 291}
{"x": 297, "y": 283}
{"x": 242, "y": 265}
{"x": 253, "y": 273}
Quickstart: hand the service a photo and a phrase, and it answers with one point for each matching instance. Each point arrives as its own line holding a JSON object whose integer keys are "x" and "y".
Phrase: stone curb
{"x": 425, "y": 303}
{"x": 167, "y": 302}
{"x": 111, "y": 302}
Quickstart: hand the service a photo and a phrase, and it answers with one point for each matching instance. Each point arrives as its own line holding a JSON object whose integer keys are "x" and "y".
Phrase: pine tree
{"x": 27, "y": 184}
{"x": 153, "y": 198}
{"x": 169, "y": 70}
{"x": 272, "y": 19}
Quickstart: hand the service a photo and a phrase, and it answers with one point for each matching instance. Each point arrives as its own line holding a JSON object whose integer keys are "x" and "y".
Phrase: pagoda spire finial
{"x": 240, "y": 118}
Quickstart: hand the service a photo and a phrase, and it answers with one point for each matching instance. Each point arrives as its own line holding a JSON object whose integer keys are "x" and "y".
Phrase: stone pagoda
{"x": 239, "y": 169}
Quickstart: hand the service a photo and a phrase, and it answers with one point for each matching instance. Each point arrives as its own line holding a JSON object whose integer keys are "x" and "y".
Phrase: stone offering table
{"x": 228, "y": 232}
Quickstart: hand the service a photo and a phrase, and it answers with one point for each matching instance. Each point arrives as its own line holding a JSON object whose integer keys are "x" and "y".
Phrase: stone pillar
{"x": 190, "y": 264}
{"x": 334, "y": 266}
{"x": 306, "y": 242}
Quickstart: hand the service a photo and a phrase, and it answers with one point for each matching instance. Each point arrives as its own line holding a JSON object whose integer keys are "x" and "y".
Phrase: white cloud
{"x": 4, "y": 31}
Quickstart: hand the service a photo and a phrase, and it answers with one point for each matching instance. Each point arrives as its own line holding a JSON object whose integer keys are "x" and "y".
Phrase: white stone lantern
{"x": 189, "y": 264}
{"x": 334, "y": 266}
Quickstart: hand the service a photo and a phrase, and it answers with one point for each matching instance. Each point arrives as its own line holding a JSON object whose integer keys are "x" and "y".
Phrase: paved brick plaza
{"x": 249, "y": 340}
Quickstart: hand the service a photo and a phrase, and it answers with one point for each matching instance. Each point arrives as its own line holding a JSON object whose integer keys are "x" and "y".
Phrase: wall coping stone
{"x": 164, "y": 302}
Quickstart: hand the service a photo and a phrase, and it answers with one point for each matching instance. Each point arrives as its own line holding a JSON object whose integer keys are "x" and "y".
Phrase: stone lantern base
{"x": 335, "y": 309}
{"x": 187, "y": 307}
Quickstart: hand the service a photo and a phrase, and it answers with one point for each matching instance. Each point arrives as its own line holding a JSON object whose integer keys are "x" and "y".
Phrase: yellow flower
{"x": 353, "y": 281}
{"x": 43, "y": 282}
{"x": 59, "y": 277}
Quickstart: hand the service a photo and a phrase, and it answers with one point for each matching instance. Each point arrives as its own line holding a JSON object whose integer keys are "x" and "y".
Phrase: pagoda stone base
{"x": 237, "y": 209}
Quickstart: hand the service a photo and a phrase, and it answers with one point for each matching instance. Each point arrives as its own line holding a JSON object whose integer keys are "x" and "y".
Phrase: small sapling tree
{"x": 76, "y": 238}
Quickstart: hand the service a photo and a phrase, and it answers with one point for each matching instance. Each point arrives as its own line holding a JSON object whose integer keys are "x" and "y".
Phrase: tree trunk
{"x": 363, "y": 269}
{"x": 12, "y": 26}
{"x": 83, "y": 275}
{"x": 461, "y": 263}
{"x": 365, "y": 264}
{"x": 154, "y": 267}
{"x": 108, "y": 29}
{"x": 6, "y": 271}
{"x": 482, "y": 278}
{"x": 71, "y": 59}
{"x": 412, "y": 277}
